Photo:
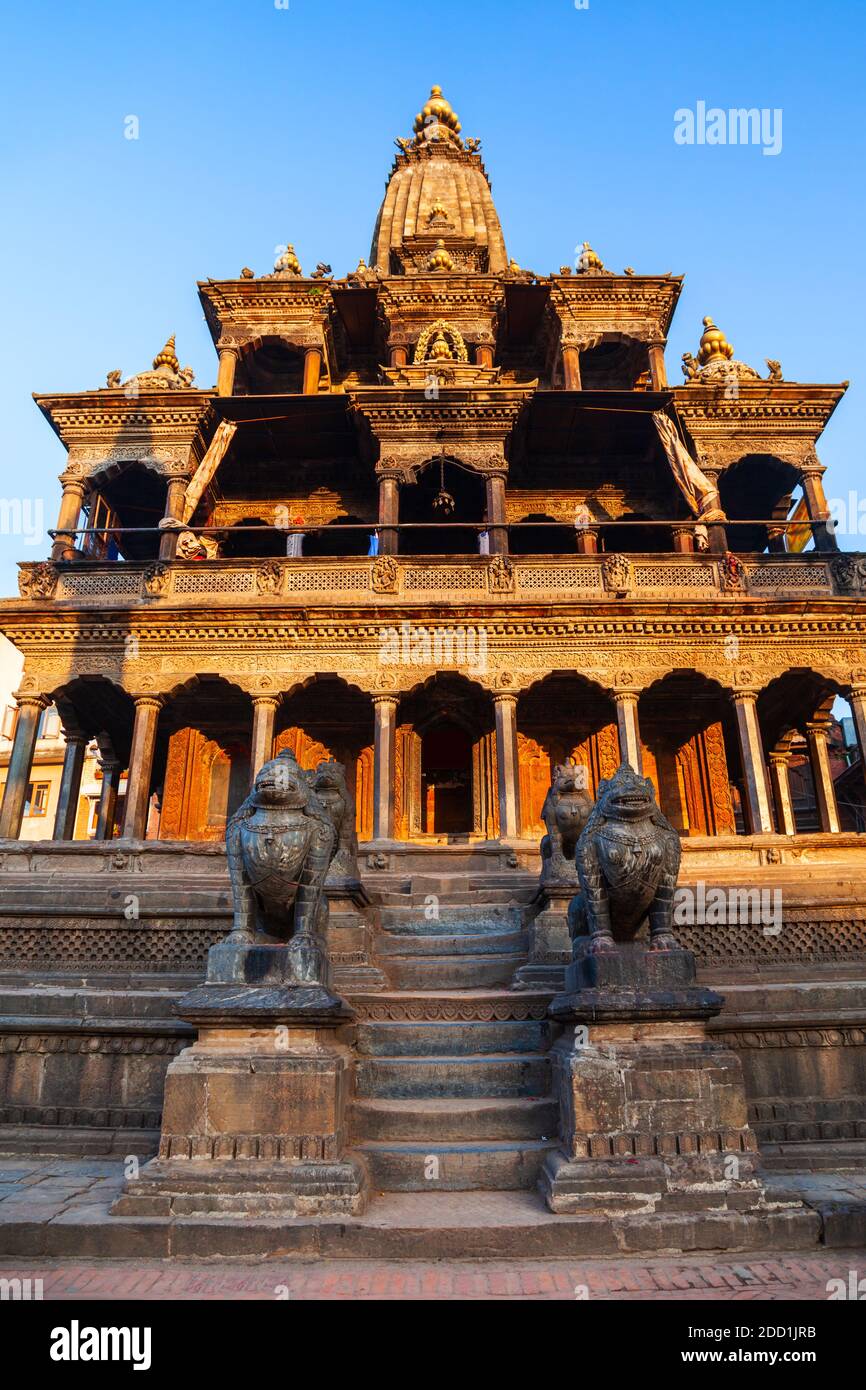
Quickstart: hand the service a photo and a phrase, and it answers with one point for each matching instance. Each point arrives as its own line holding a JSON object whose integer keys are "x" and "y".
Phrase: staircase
{"x": 452, "y": 1089}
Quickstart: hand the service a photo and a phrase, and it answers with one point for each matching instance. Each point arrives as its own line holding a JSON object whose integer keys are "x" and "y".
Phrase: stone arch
{"x": 615, "y": 361}
{"x": 691, "y": 754}
{"x": 756, "y": 488}
{"x": 269, "y": 364}
{"x": 432, "y": 531}
{"x": 562, "y": 715}
{"x": 201, "y": 769}
{"x": 550, "y": 537}
{"x": 129, "y": 494}
{"x": 446, "y": 714}
{"x": 325, "y": 716}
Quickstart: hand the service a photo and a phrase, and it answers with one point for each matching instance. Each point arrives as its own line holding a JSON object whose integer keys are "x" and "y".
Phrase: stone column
{"x": 389, "y": 512}
{"x": 498, "y": 531}
{"x": 857, "y": 701}
{"x": 68, "y": 518}
{"x": 175, "y": 493}
{"x": 658, "y": 373}
{"x": 816, "y": 506}
{"x": 507, "y": 766}
{"x": 228, "y": 361}
{"x": 107, "y": 810}
{"x": 262, "y": 739}
{"x": 30, "y": 708}
{"x": 776, "y": 540}
{"x": 684, "y": 539}
{"x": 780, "y": 781}
{"x": 312, "y": 370}
{"x": 717, "y": 534}
{"x": 147, "y": 709}
{"x": 755, "y": 785}
{"x": 822, "y": 776}
{"x": 571, "y": 367}
{"x": 70, "y": 786}
{"x": 384, "y": 753}
{"x": 586, "y": 540}
{"x": 628, "y": 729}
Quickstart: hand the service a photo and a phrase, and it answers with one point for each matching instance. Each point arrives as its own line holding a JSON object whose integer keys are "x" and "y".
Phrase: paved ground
{"x": 48, "y": 1190}
{"x": 717, "y": 1278}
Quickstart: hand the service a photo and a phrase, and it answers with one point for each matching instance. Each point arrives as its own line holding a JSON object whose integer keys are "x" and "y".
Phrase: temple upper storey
{"x": 438, "y": 211}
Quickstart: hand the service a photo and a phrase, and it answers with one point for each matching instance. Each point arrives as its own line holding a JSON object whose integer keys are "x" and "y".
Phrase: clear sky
{"x": 261, "y": 123}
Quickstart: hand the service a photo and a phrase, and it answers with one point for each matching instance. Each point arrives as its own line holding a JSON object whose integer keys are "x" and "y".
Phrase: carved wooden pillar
{"x": 571, "y": 367}
{"x": 384, "y": 751}
{"x": 507, "y": 765}
{"x": 586, "y": 539}
{"x": 228, "y": 361}
{"x": 822, "y": 776}
{"x": 398, "y": 355}
{"x": 389, "y": 512}
{"x": 816, "y": 506}
{"x": 756, "y": 800}
{"x": 857, "y": 700}
{"x": 684, "y": 539}
{"x": 107, "y": 809}
{"x": 68, "y": 518}
{"x": 312, "y": 370}
{"x": 175, "y": 493}
{"x": 147, "y": 709}
{"x": 628, "y": 729}
{"x": 70, "y": 786}
{"x": 780, "y": 781}
{"x": 498, "y": 531}
{"x": 30, "y": 710}
{"x": 484, "y": 355}
{"x": 658, "y": 372}
{"x": 262, "y": 738}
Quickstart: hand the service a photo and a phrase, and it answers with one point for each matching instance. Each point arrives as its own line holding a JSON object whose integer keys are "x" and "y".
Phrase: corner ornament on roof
{"x": 715, "y": 361}
{"x": 166, "y": 375}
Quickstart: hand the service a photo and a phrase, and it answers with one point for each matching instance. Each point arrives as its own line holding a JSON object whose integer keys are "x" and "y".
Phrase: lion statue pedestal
{"x": 653, "y": 1119}
{"x": 254, "y": 1121}
{"x": 565, "y": 812}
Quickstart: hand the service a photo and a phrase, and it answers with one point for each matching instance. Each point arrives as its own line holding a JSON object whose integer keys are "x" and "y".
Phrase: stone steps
{"x": 455, "y": 919}
{"x": 463, "y": 944}
{"x": 452, "y": 1119}
{"x": 452, "y": 1039}
{"x": 505, "y": 1075}
{"x": 448, "y": 1167}
{"x": 452, "y": 972}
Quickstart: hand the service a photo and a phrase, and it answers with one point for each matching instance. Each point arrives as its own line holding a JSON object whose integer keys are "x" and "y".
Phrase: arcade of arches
{"x": 448, "y": 760}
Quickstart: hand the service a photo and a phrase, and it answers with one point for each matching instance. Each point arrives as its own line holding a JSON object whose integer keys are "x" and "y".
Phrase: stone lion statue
{"x": 628, "y": 860}
{"x": 565, "y": 812}
{"x": 280, "y": 844}
{"x": 329, "y": 783}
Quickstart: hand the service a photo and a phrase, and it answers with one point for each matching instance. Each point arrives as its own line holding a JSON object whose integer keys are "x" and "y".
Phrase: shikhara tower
{"x": 450, "y": 447}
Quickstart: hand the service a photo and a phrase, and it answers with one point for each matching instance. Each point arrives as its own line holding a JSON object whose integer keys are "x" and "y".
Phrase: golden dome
{"x": 440, "y": 349}
{"x": 436, "y": 114}
{"x": 440, "y": 260}
{"x": 167, "y": 358}
{"x": 589, "y": 259}
{"x": 714, "y": 345}
{"x": 288, "y": 262}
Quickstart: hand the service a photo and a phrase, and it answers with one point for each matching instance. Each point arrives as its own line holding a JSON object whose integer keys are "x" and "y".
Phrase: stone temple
{"x": 444, "y": 521}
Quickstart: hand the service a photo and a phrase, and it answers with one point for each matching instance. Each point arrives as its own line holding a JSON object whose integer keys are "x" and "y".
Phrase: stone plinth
{"x": 350, "y": 937}
{"x": 549, "y": 939}
{"x": 255, "y": 1111}
{"x": 653, "y": 1117}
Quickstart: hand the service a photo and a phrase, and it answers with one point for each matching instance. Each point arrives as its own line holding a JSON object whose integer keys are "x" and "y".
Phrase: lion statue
{"x": 628, "y": 860}
{"x": 329, "y": 784}
{"x": 565, "y": 812}
{"x": 280, "y": 844}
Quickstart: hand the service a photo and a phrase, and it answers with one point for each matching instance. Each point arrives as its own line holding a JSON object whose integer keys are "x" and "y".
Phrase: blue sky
{"x": 261, "y": 124}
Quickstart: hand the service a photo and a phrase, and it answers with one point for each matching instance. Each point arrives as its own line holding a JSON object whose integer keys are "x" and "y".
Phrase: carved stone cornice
{"x": 411, "y": 429}
{"x": 784, "y": 419}
{"x": 100, "y": 428}
{"x": 242, "y": 311}
{"x": 636, "y": 306}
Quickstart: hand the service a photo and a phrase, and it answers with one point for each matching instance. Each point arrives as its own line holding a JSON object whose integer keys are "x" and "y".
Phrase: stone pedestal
{"x": 254, "y": 1118}
{"x": 653, "y": 1118}
{"x": 350, "y": 937}
{"x": 549, "y": 939}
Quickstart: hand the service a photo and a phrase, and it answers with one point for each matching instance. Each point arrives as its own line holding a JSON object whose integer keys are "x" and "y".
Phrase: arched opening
{"x": 436, "y": 530}
{"x": 755, "y": 489}
{"x": 446, "y": 762}
{"x": 202, "y": 761}
{"x": 628, "y": 537}
{"x": 615, "y": 364}
{"x": 532, "y": 538}
{"x": 328, "y": 719}
{"x": 343, "y": 535}
{"x": 807, "y": 751}
{"x": 270, "y": 367}
{"x": 131, "y": 496}
{"x": 244, "y": 541}
{"x": 691, "y": 754}
{"x": 561, "y": 717}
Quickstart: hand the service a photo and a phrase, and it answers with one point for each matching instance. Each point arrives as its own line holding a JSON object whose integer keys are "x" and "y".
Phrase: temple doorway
{"x": 446, "y": 780}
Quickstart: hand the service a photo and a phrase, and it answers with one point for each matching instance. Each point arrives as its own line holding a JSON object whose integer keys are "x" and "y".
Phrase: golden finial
{"x": 167, "y": 358}
{"x": 589, "y": 259}
{"x": 288, "y": 262}
{"x": 438, "y": 212}
{"x": 440, "y": 349}
{"x": 714, "y": 345}
{"x": 513, "y": 266}
{"x": 440, "y": 260}
{"x": 437, "y": 117}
